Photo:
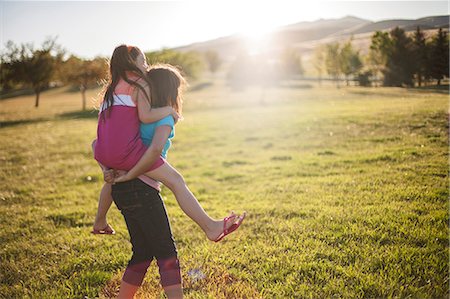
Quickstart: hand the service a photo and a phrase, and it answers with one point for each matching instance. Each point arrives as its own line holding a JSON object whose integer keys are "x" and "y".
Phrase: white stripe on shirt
{"x": 120, "y": 100}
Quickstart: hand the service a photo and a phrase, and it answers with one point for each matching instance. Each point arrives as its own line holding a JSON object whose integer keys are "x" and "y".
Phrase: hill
{"x": 304, "y": 36}
{"x": 435, "y": 22}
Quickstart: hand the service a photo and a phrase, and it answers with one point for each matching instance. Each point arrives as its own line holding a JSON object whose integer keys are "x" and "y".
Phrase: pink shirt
{"x": 119, "y": 143}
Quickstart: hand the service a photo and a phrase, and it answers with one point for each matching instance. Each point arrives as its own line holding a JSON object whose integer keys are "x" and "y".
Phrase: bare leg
{"x": 104, "y": 203}
{"x": 127, "y": 290}
{"x": 171, "y": 178}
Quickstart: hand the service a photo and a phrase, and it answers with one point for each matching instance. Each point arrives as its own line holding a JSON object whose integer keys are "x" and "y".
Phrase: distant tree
{"x": 419, "y": 48}
{"x": 439, "y": 56}
{"x": 8, "y": 58}
{"x": 213, "y": 60}
{"x": 84, "y": 73}
{"x": 241, "y": 72}
{"x": 399, "y": 69}
{"x": 291, "y": 63}
{"x": 350, "y": 61}
{"x": 190, "y": 63}
{"x": 255, "y": 69}
{"x": 333, "y": 61}
{"x": 364, "y": 78}
{"x": 378, "y": 53}
{"x": 5, "y": 81}
{"x": 33, "y": 67}
{"x": 318, "y": 61}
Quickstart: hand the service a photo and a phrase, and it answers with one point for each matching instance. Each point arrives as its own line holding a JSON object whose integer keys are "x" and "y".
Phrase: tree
{"x": 364, "y": 78}
{"x": 84, "y": 73}
{"x": 290, "y": 63}
{"x": 38, "y": 70}
{"x": 318, "y": 61}
{"x": 419, "y": 49}
{"x": 32, "y": 67}
{"x": 191, "y": 63}
{"x": 213, "y": 60}
{"x": 438, "y": 59}
{"x": 8, "y": 58}
{"x": 241, "y": 72}
{"x": 332, "y": 61}
{"x": 350, "y": 61}
{"x": 400, "y": 61}
{"x": 378, "y": 53}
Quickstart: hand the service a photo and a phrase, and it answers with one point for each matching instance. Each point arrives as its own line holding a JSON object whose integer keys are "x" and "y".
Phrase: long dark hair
{"x": 166, "y": 86}
{"x": 123, "y": 61}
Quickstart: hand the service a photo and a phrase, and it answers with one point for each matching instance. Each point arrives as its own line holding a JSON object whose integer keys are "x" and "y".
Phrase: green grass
{"x": 346, "y": 192}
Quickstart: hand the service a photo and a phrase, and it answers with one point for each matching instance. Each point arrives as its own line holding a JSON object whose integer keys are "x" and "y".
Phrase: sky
{"x": 91, "y": 28}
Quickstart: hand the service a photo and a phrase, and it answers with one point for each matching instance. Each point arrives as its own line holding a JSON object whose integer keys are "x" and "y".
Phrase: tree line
{"x": 25, "y": 66}
{"x": 394, "y": 59}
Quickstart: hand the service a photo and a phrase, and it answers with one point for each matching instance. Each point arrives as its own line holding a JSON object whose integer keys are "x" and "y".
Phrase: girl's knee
{"x": 169, "y": 271}
{"x": 174, "y": 179}
{"x": 135, "y": 273}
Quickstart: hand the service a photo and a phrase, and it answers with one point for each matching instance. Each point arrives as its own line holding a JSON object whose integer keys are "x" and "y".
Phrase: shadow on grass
{"x": 373, "y": 91}
{"x": 442, "y": 89}
{"x": 86, "y": 114}
{"x": 18, "y": 122}
{"x": 16, "y": 93}
{"x": 74, "y": 219}
{"x": 380, "y": 91}
{"x": 296, "y": 85}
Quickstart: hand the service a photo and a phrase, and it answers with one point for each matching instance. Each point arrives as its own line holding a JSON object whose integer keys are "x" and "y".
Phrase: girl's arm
{"x": 146, "y": 113}
{"x": 150, "y": 156}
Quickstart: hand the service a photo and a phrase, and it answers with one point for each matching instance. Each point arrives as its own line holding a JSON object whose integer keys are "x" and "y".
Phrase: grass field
{"x": 346, "y": 192}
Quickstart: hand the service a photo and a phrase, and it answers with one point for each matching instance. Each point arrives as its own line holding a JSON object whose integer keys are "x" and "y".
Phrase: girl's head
{"x": 125, "y": 60}
{"x": 166, "y": 86}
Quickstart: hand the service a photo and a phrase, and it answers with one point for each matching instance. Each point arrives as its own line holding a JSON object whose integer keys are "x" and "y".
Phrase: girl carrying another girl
{"x": 144, "y": 210}
{"x": 119, "y": 145}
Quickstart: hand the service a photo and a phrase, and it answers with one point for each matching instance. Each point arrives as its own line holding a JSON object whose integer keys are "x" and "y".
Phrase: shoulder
{"x": 141, "y": 82}
{"x": 141, "y": 89}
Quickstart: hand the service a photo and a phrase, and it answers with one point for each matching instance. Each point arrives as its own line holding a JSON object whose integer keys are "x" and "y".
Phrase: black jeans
{"x": 149, "y": 229}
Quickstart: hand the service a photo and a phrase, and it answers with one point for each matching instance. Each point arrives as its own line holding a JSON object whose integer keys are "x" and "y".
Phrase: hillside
{"x": 229, "y": 46}
{"x": 304, "y": 36}
{"x": 408, "y": 25}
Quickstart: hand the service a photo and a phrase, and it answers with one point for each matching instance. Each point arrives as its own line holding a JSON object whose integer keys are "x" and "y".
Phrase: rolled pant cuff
{"x": 134, "y": 274}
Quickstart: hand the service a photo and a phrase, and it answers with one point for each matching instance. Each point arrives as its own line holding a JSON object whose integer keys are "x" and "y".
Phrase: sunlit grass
{"x": 346, "y": 192}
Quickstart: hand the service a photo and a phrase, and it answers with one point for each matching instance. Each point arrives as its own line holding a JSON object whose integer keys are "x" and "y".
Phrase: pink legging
{"x": 169, "y": 271}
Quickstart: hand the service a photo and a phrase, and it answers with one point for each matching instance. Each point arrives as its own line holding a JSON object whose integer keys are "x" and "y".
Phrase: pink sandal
{"x": 232, "y": 228}
{"x": 108, "y": 230}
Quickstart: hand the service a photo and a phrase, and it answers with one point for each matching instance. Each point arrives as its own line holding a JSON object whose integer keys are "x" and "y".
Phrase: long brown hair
{"x": 166, "y": 86}
{"x": 123, "y": 61}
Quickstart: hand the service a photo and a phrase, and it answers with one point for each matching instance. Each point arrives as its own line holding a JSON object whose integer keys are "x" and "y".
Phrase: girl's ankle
{"x": 100, "y": 223}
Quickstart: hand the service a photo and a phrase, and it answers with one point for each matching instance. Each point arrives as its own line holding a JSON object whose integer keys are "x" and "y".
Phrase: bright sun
{"x": 253, "y": 20}
{"x": 254, "y": 26}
